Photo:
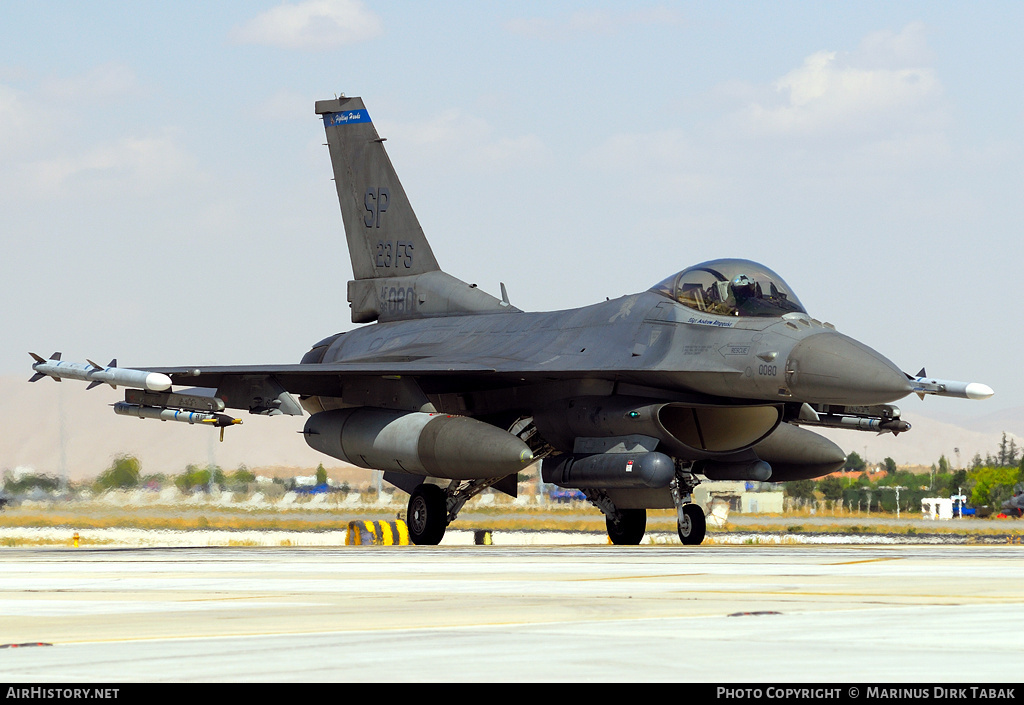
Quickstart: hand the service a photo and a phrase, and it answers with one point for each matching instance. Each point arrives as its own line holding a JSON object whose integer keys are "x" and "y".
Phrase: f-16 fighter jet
{"x": 715, "y": 372}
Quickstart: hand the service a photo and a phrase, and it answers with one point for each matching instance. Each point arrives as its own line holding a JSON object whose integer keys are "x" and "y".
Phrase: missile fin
{"x": 922, "y": 373}
{"x": 36, "y": 357}
{"x": 94, "y": 384}
{"x": 95, "y": 366}
{"x": 55, "y": 356}
{"x": 36, "y": 377}
{"x": 113, "y": 362}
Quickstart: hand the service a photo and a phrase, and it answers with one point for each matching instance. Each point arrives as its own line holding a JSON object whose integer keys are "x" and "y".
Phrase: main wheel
{"x": 630, "y": 529}
{"x": 428, "y": 515}
{"x": 692, "y": 526}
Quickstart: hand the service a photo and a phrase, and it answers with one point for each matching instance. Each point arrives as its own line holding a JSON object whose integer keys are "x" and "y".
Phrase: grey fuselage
{"x": 645, "y": 344}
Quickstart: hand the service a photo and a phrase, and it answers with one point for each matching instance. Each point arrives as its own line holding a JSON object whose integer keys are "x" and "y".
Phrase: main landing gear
{"x": 428, "y": 515}
{"x": 630, "y": 529}
{"x": 432, "y": 508}
{"x": 626, "y": 527}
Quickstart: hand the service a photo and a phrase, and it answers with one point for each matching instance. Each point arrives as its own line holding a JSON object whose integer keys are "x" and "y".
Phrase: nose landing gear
{"x": 691, "y": 525}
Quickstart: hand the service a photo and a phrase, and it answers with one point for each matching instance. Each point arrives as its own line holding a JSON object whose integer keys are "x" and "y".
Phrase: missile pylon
{"x": 89, "y": 371}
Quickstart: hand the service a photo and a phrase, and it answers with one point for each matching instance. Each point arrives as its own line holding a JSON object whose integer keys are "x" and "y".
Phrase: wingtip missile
{"x": 89, "y": 371}
{"x": 922, "y": 385}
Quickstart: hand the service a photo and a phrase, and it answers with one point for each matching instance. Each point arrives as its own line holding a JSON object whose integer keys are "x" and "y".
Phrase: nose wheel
{"x": 692, "y": 525}
{"x": 427, "y": 517}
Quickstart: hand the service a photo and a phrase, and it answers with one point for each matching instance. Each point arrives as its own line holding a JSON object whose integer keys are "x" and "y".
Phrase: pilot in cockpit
{"x": 742, "y": 288}
{"x": 746, "y": 297}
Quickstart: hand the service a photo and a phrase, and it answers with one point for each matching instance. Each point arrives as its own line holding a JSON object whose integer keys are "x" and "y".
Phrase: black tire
{"x": 630, "y": 530}
{"x": 428, "y": 515}
{"x": 693, "y": 526}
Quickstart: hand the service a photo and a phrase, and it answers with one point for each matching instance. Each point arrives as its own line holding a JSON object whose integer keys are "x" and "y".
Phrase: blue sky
{"x": 166, "y": 197}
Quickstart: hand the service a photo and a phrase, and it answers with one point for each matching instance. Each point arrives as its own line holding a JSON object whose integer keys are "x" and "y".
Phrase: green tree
{"x": 993, "y": 485}
{"x": 196, "y": 477}
{"x": 243, "y": 476}
{"x": 799, "y": 489}
{"x": 123, "y": 473}
{"x": 890, "y": 467}
{"x": 854, "y": 463}
{"x": 28, "y": 482}
{"x": 831, "y": 487}
{"x": 321, "y": 474}
{"x": 958, "y": 482}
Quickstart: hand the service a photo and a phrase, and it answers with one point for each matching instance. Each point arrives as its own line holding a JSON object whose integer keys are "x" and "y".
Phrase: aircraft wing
{"x": 252, "y": 387}
{"x": 267, "y": 388}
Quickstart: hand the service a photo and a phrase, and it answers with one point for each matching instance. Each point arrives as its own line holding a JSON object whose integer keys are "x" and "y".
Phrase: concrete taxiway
{"x": 722, "y": 614}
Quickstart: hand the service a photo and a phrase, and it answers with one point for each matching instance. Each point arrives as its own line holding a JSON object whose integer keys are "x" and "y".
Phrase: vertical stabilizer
{"x": 396, "y": 275}
{"x": 384, "y": 237}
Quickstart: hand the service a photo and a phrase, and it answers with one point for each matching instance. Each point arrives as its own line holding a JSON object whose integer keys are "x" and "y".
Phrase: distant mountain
{"x": 41, "y": 422}
{"x": 935, "y": 434}
{"x": 32, "y": 416}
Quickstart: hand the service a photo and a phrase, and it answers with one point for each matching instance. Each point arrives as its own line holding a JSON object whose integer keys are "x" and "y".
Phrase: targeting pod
{"x": 609, "y": 470}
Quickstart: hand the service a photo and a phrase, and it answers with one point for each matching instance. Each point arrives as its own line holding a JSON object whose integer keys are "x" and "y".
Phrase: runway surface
{"x": 725, "y": 614}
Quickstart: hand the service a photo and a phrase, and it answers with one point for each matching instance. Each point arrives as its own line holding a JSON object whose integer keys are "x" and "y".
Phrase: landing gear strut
{"x": 432, "y": 508}
{"x": 690, "y": 522}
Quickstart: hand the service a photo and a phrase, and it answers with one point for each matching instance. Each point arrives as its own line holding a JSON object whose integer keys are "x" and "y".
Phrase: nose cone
{"x": 831, "y": 368}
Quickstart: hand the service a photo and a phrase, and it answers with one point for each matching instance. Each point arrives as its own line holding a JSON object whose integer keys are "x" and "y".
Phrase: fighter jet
{"x": 709, "y": 374}
{"x": 1014, "y": 506}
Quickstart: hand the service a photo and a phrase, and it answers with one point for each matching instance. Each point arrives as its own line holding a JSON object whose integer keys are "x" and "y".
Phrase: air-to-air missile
{"x": 97, "y": 374}
{"x": 163, "y": 413}
{"x": 922, "y": 384}
{"x": 144, "y": 397}
{"x": 169, "y": 406}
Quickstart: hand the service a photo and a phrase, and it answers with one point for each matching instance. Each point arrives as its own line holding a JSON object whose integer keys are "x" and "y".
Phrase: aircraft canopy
{"x": 731, "y": 287}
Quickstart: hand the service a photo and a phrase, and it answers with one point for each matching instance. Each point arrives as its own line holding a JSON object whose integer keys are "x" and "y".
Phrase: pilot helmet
{"x": 742, "y": 287}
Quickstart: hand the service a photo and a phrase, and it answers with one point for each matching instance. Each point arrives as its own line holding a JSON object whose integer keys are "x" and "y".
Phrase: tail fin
{"x": 384, "y": 237}
{"x": 396, "y": 274}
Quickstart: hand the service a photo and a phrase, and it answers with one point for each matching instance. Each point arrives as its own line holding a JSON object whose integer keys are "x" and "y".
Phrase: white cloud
{"x": 887, "y": 48}
{"x": 17, "y": 118}
{"x": 454, "y": 135}
{"x": 313, "y": 25}
{"x": 129, "y": 165}
{"x": 590, "y": 23}
{"x": 886, "y": 87}
{"x": 27, "y": 119}
{"x": 97, "y": 84}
